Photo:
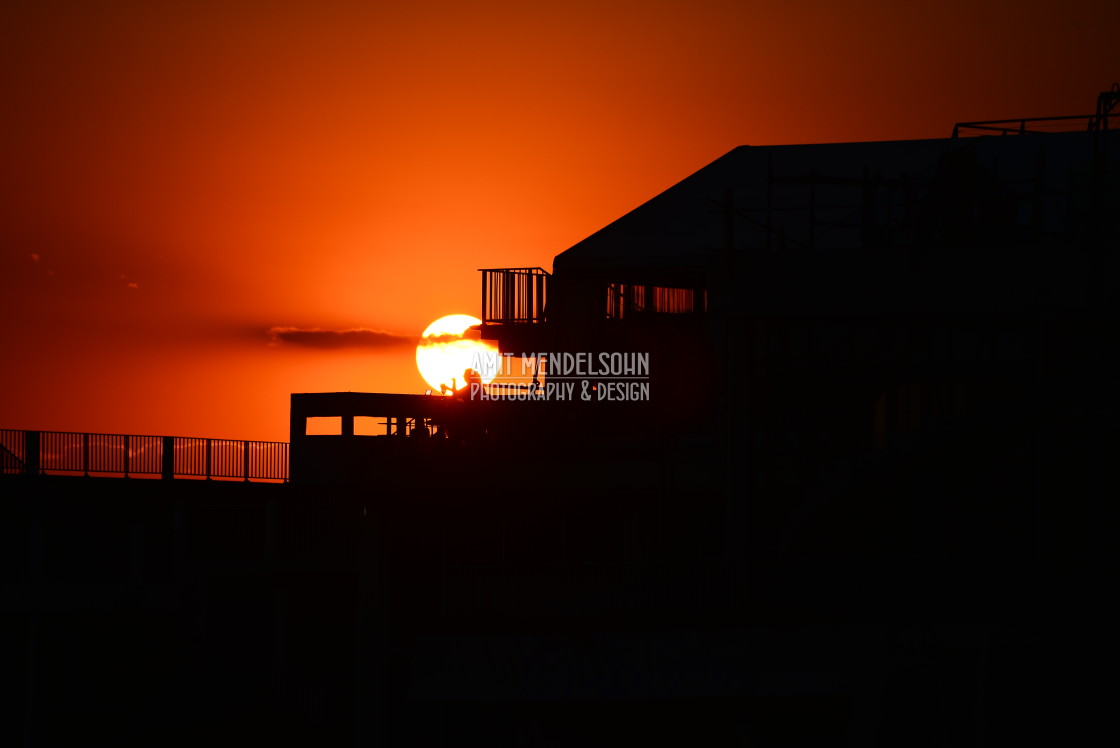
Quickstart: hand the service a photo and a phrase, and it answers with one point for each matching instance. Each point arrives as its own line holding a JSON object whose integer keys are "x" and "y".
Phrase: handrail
{"x": 1107, "y": 101}
{"x": 1030, "y": 125}
{"x": 124, "y": 455}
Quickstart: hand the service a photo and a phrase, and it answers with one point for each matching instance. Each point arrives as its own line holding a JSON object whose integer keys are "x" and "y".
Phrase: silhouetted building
{"x": 825, "y": 475}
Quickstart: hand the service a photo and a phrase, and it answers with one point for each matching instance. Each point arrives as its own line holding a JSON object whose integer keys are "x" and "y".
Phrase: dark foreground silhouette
{"x": 858, "y": 503}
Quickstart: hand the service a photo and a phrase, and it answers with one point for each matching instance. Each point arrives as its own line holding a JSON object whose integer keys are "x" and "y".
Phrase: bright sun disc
{"x": 447, "y": 348}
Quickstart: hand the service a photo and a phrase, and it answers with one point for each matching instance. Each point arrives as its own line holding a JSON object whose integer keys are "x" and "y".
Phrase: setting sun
{"x": 448, "y": 347}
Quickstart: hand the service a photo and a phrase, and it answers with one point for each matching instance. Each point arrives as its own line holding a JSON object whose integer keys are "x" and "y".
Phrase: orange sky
{"x": 181, "y": 178}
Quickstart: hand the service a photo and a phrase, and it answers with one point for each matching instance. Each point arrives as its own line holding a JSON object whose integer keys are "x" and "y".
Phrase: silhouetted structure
{"x": 857, "y": 507}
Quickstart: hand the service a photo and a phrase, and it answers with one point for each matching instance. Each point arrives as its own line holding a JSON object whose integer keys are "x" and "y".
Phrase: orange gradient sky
{"x": 190, "y": 190}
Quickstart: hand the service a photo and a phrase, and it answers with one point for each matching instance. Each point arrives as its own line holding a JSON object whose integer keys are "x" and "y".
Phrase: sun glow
{"x": 448, "y": 347}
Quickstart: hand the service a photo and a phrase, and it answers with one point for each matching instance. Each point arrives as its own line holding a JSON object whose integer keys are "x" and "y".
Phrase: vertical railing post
{"x": 209, "y": 449}
{"x": 528, "y": 285}
{"x": 85, "y": 455}
{"x": 31, "y": 452}
{"x": 485, "y": 311}
{"x": 542, "y": 291}
{"x": 245, "y": 460}
{"x": 167, "y": 459}
{"x": 127, "y": 454}
{"x": 520, "y": 296}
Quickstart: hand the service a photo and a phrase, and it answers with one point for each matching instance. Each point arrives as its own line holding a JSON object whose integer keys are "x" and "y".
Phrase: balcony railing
{"x": 125, "y": 455}
{"x": 513, "y": 295}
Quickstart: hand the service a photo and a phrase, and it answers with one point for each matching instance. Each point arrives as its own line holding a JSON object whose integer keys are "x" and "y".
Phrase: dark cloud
{"x": 332, "y": 339}
{"x": 445, "y": 338}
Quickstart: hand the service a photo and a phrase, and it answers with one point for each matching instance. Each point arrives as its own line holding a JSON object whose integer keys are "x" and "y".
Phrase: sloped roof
{"x": 686, "y": 225}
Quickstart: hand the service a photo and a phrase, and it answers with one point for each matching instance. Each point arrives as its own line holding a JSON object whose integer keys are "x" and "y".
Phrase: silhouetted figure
{"x": 473, "y": 384}
{"x": 470, "y": 377}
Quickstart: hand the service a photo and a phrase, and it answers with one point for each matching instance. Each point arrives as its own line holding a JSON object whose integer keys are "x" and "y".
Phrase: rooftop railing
{"x": 1107, "y": 102}
{"x": 1029, "y": 125}
{"x": 126, "y": 455}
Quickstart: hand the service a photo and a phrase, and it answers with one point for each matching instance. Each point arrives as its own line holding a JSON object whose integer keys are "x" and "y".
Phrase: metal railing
{"x": 64, "y": 452}
{"x": 514, "y": 295}
{"x": 1027, "y": 125}
{"x": 1107, "y": 102}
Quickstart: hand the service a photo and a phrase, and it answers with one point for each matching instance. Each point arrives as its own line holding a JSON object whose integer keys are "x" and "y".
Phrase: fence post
{"x": 246, "y": 460}
{"x": 127, "y": 453}
{"x": 85, "y": 455}
{"x": 31, "y": 452}
{"x": 167, "y": 459}
{"x": 209, "y": 449}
